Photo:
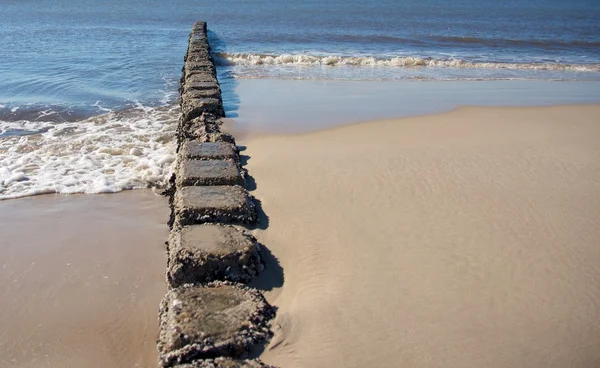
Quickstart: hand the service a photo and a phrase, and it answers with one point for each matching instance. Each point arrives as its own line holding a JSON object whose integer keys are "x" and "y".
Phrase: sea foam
{"x": 246, "y": 59}
{"x": 108, "y": 153}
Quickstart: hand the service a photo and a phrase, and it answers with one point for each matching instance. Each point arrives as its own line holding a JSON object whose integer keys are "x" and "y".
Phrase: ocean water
{"x": 88, "y": 89}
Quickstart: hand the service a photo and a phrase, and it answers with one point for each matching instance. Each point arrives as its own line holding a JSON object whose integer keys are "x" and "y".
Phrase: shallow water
{"x": 114, "y": 53}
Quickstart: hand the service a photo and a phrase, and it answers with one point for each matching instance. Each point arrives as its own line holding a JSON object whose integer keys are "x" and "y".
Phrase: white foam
{"x": 101, "y": 108}
{"x": 103, "y": 154}
{"x": 399, "y": 62}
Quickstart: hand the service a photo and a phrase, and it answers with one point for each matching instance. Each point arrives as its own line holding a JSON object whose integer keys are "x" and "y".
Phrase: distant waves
{"x": 332, "y": 60}
{"x": 297, "y": 66}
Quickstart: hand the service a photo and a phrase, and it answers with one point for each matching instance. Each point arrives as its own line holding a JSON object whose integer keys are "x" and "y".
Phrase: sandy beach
{"x": 464, "y": 239}
{"x": 81, "y": 278}
{"x": 426, "y": 175}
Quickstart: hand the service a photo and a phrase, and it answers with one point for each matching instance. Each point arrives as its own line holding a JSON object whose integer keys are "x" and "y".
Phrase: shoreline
{"x": 230, "y": 125}
{"x": 304, "y": 217}
{"x": 260, "y": 106}
{"x": 450, "y": 240}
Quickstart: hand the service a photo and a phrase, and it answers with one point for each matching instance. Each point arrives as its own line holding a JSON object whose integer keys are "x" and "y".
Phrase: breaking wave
{"x": 107, "y": 153}
{"x": 245, "y": 59}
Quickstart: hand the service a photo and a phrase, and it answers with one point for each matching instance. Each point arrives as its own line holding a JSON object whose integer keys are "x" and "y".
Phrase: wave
{"x": 246, "y": 59}
{"x": 111, "y": 152}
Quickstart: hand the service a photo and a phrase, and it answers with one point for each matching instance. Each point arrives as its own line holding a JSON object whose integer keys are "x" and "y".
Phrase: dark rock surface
{"x": 203, "y": 322}
{"x": 205, "y": 128}
{"x": 225, "y": 204}
{"x": 225, "y": 363}
{"x": 196, "y": 150}
{"x": 203, "y": 253}
{"x": 194, "y": 85}
{"x": 194, "y": 107}
{"x": 208, "y": 172}
{"x": 199, "y": 76}
{"x": 202, "y": 93}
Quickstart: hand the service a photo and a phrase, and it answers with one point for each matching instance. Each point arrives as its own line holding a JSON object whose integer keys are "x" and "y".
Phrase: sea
{"x": 88, "y": 89}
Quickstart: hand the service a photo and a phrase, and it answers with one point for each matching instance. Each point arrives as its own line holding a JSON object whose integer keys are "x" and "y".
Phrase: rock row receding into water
{"x": 208, "y": 318}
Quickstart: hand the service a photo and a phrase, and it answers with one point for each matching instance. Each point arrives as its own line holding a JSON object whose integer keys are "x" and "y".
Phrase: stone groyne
{"x": 209, "y": 317}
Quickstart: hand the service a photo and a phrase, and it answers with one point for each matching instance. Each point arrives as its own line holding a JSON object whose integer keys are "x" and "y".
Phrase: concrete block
{"x": 225, "y": 363}
{"x": 194, "y": 107}
{"x": 197, "y": 76}
{"x": 219, "y": 137}
{"x": 203, "y": 128}
{"x": 224, "y": 204}
{"x": 197, "y": 150}
{"x": 194, "y": 66}
{"x": 204, "y": 322}
{"x": 203, "y": 253}
{"x": 197, "y": 53}
{"x": 201, "y": 51}
{"x": 199, "y": 27}
{"x": 208, "y": 172}
{"x": 208, "y": 69}
{"x": 197, "y": 36}
{"x": 194, "y": 94}
{"x": 202, "y": 86}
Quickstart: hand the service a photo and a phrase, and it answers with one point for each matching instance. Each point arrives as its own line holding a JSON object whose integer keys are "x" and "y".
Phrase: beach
{"x": 426, "y": 177}
{"x": 81, "y": 278}
{"x": 463, "y": 239}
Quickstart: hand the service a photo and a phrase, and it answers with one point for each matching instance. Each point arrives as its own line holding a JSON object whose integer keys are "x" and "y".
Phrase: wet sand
{"x": 267, "y": 106}
{"x": 465, "y": 239}
{"x": 81, "y": 278}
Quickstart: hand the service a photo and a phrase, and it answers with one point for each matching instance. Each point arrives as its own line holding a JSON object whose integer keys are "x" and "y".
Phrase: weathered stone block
{"x": 196, "y": 76}
{"x": 201, "y": 86}
{"x": 194, "y": 94}
{"x": 196, "y": 37}
{"x": 203, "y": 322}
{"x": 208, "y": 172}
{"x": 199, "y": 27}
{"x": 202, "y": 253}
{"x": 197, "y": 53}
{"x": 203, "y": 128}
{"x": 194, "y": 107}
{"x": 197, "y": 150}
{"x": 219, "y": 137}
{"x": 209, "y": 69}
{"x": 194, "y": 66}
{"x": 225, "y": 363}
{"x": 225, "y": 204}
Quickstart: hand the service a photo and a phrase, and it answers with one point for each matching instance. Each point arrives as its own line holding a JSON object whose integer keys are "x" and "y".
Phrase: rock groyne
{"x": 208, "y": 317}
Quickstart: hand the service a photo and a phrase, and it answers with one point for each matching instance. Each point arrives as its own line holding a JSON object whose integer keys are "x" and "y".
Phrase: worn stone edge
{"x": 189, "y": 258}
{"x": 258, "y": 330}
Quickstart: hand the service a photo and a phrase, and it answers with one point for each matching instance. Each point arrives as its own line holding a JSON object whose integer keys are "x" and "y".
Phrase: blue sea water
{"x": 105, "y": 74}
{"x": 115, "y": 52}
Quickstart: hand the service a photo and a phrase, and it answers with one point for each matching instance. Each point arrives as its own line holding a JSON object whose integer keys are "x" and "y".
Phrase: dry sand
{"x": 466, "y": 239}
{"x": 81, "y": 278}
